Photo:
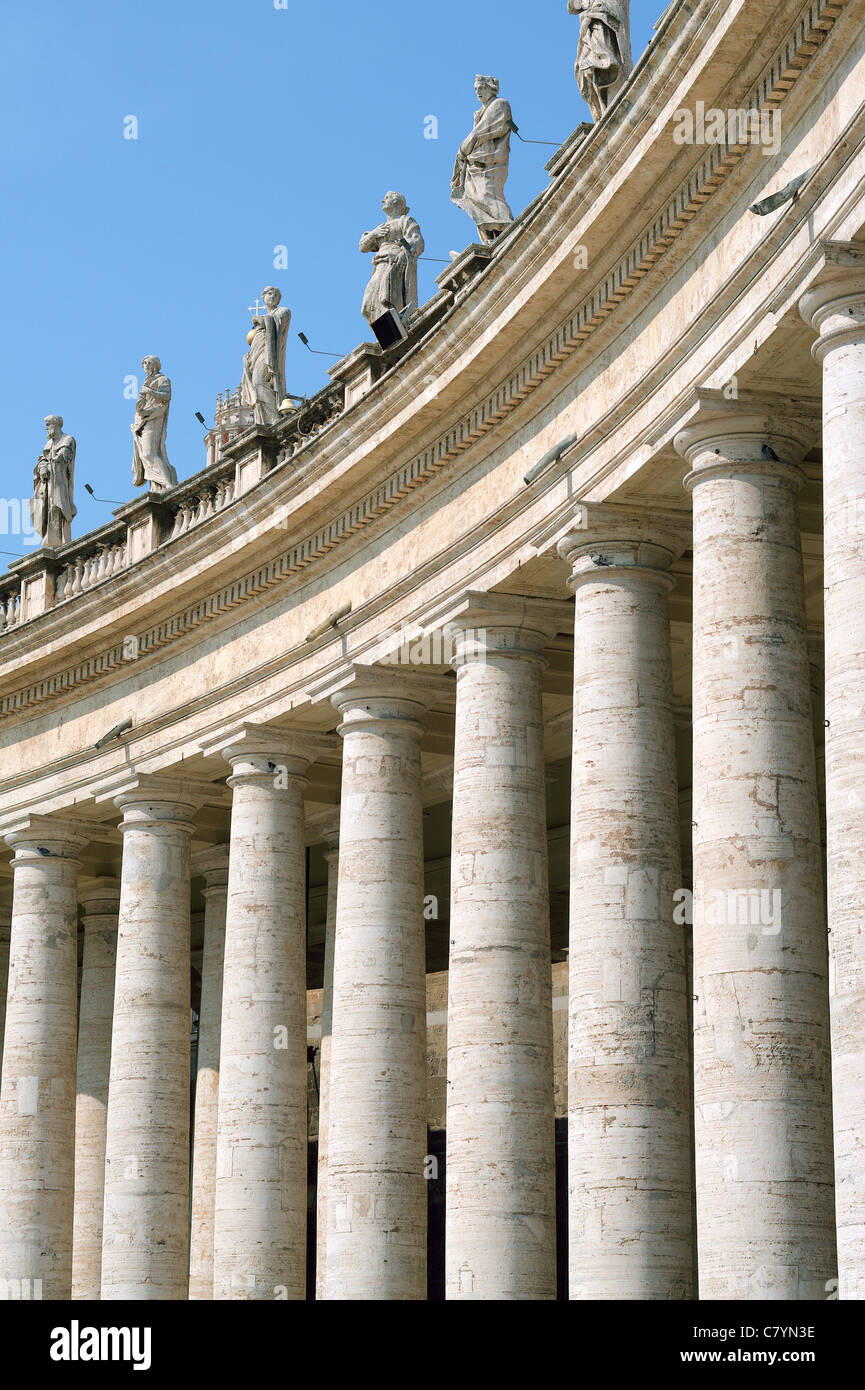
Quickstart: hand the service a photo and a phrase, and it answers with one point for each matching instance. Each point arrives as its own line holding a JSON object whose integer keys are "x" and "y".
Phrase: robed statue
{"x": 396, "y": 246}
{"x": 481, "y": 168}
{"x": 52, "y": 507}
{"x": 603, "y": 63}
{"x": 263, "y": 384}
{"x": 149, "y": 428}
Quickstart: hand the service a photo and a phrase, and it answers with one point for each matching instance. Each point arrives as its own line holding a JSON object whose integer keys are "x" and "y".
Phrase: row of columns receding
{"x": 722, "y": 1110}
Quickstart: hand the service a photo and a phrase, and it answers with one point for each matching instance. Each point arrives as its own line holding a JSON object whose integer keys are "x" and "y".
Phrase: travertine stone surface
{"x": 145, "y": 1249}
{"x": 324, "y": 1056}
{"x": 763, "y": 1124}
{"x": 629, "y": 1128}
{"x": 501, "y": 1203}
{"x": 5, "y": 929}
{"x": 100, "y": 902}
{"x": 377, "y": 1199}
{"x": 37, "y": 1101}
{"x": 836, "y": 307}
{"x": 259, "y": 1245}
{"x": 213, "y": 865}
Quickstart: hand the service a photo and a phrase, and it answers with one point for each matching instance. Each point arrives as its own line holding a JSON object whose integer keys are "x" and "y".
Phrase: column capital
{"x": 834, "y": 303}
{"x": 477, "y": 624}
{"x": 757, "y": 432}
{"x": 100, "y": 897}
{"x": 256, "y": 752}
{"x": 40, "y": 837}
{"x": 369, "y": 693}
{"x": 324, "y": 827}
{"x": 211, "y": 865}
{"x": 147, "y": 798}
{"x": 261, "y": 740}
{"x": 608, "y": 539}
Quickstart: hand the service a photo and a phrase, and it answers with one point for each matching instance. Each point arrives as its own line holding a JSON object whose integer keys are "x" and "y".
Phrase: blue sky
{"x": 258, "y": 127}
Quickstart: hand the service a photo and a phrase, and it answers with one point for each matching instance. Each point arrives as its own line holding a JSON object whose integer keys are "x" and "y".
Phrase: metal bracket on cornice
{"x": 551, "y": 456}
{"x": 114, "y": 733}
{"x": 784, "y": 195}
{"x": 328, "y": 623}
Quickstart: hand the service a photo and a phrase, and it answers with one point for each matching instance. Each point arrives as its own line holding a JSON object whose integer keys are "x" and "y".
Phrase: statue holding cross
{"x": 263, "y": 385}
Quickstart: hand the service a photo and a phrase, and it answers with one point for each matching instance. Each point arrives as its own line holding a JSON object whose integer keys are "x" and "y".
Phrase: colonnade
{"x": 764, "y": 1164}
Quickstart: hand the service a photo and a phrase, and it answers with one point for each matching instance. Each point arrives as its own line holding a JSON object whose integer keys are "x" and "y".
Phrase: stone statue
{"x": 149, "y": 459}
{"x": 481, "y": 168}
{"x": 263, "y": 385}
{"x": 396, "y": 246}
{"x": 52, "y": 507}
{"x": 603, "y": 63}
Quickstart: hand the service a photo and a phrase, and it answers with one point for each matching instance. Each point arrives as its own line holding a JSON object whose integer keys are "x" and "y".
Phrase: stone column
{"x": 259, "y": 1250}
{"x": 100, "y": 901}
{"x": 37, "y": 1102}
{"x": 501, "y": 1172}
{"x": 5, "y": 929}
{"x": 332, "y": 857}
{"x": 629, "y": 1123}
{"x": 213, "y": 865}
{"x": 835, "y": 307}
{"x": 145, "y": 1249}
{"x": 763, "y": 1122}
{"x": 377, "y": 1200}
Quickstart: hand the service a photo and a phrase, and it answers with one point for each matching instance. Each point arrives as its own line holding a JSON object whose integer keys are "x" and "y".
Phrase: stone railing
{"x": 48, "y": 578}
{"x": 87, "y": 569}
{"x": 10, "y": 600}
{"x": 208, "y": 498}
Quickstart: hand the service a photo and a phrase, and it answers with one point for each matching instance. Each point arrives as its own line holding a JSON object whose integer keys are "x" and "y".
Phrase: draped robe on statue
{"x": 263, "y": 385}
{"x": 481, "y": 168}
{"x": 604, "y": 52}
{"x": 51, "y": 507}
{"x": 397, "y": 244}
{"x": 149, "y": 458}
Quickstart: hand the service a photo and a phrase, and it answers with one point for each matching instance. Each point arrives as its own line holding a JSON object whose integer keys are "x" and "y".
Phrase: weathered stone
{"x": 100, "y": 902}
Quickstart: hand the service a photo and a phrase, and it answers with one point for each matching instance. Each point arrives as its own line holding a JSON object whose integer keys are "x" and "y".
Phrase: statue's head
{"x": 271, "y": 296}
{"x": 394, "y": 204}
{"x": 53, "y": 424}
{"x": 486, "y": 87}
{"x": 151, "y": 365}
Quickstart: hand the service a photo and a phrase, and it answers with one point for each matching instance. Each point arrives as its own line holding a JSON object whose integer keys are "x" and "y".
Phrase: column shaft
{"x": 629, "y": 1126}
{"x": 37, "y": 1102}
{"x": 5, "y": 930}
{"x": 214, "y": 865}
{"x": 100, "y": 902}
{"x": 324, "y": 1062}
{"x": 145, "y": 1253}
{"x": 501, "y": 1196}
{"x": 836, "y": 307}
{"x": 261, "y": 1178}
{"x": 377, "y": 1201}
{"x": 761, "y": 1046}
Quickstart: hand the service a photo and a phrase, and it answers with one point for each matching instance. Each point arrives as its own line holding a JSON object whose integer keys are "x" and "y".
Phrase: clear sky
{"x": 261, "y": 123}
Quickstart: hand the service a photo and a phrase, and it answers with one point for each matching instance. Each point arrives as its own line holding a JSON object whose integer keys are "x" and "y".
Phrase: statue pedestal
{"x": 145, "y": 528}
{"x": 254, "y": 454}
{"x": 465, "y": 267}
{"x": 358, "y": 372}
{"x": 38, "y": 575}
